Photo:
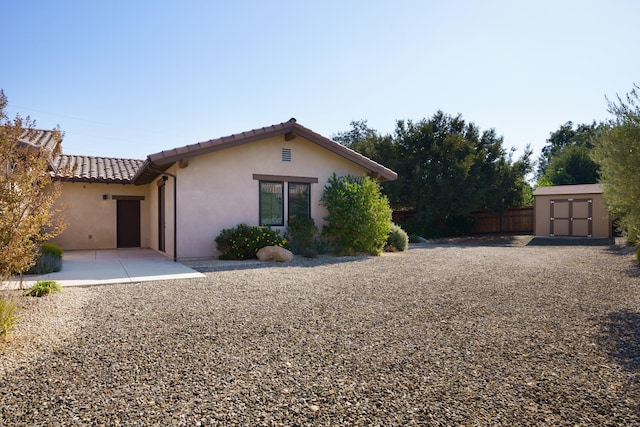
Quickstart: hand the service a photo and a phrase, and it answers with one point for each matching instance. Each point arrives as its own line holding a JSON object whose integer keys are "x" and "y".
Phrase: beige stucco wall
{"x": 217, "y": 190}
{"x": 601, "y": 225}
{"x": 91, "y": 221}
{"x": 169, "y": 213}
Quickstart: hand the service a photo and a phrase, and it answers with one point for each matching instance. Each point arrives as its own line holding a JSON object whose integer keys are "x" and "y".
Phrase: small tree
{"x": 618, "y": 154}
{"x": 27, "y": 195}
{"x": 359, "y": 217}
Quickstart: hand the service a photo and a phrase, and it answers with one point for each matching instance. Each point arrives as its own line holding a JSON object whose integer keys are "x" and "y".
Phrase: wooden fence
{"x": 511, "y": 221}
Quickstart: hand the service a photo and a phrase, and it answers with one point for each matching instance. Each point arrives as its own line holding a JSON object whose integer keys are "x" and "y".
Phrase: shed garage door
{"x": 571, "y": 217}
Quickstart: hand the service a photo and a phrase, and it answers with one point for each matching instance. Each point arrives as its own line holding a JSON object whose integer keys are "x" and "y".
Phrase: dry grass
{"x": 440, "y": 335}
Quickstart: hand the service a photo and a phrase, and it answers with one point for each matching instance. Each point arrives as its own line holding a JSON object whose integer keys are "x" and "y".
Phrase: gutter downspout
{"x": 175, "y": 209}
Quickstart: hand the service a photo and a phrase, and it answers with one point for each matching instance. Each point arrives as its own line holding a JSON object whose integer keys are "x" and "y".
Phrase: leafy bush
{"x": 46, "y": 263}
{"x": 49, "y": 260}
{"x": 43, "y": 287}
{"x": 359, "y": 217}
{"x": 243, "y": 241}
{"x": 414, "y": 239}
{"x": 301, "y": 234}
{"x": 51, "y": 249}
{"x": 8, "y": 315}
{"x": 398, "y": 240}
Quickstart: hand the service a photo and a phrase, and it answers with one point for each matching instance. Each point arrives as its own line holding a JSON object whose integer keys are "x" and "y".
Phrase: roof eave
{"x": 377, "y": 169}
{"x": 91, "y": 180}
{"x": 164, "y": 159}
{"x": 148, "y": 172}
{"x": 169, "y": 157}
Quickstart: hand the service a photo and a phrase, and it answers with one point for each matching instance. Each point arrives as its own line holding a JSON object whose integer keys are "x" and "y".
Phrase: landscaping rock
{"x": 274, "y": 253}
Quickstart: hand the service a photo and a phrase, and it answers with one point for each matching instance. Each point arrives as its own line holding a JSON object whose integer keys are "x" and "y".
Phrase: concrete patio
{"x": 100, "y": 267}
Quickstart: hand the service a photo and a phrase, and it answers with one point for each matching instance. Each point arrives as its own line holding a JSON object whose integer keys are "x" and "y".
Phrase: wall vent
{"x": 286, "y": 154}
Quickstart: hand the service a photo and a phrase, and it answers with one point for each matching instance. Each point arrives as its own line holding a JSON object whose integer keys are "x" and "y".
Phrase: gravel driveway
{"x": 440, "y": 335}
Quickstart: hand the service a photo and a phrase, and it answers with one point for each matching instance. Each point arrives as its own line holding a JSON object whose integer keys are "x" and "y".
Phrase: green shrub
{"x": 301, "y": 235}
{"x": 49, "y": 260}
{"x": 243, "y": 241}
{"x": 359, "y": 217}
{"x": 46, "y": 263}
{"x": 8, "y": 315}
{"x": 51, "y": 249}
{"x": 398, "y": 240}
{"x": 43, "y": 287}
{"x": 414, "y": 239}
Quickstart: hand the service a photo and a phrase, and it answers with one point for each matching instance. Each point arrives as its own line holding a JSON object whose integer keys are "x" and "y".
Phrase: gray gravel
{"x": 440, "y": 335}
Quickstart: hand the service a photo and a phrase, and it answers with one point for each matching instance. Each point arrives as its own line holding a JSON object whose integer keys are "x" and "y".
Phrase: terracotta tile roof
{"x": 68, "y": 167}
{"x": 38, "y": 138}
{"x": 164, "y": 159}
{"x": 568, "y": 190}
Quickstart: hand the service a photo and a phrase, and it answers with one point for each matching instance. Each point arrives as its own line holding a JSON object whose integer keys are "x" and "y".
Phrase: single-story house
{"x": 177, "y": 201}
{"x": 571, "y": 211}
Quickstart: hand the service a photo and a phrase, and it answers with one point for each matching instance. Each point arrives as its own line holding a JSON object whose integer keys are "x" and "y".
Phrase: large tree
{"x": 618, "y": 154}
{"x": 27, "y": 194}
{"x": 446, "y": 169}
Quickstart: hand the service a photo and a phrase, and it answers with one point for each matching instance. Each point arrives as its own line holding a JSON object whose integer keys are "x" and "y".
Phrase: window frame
{"x": 307, "y": 185}
{"x": 260, "y": 200}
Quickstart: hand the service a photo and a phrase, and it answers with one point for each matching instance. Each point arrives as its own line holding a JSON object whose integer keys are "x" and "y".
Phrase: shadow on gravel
{"x": 627, "y": 251}
{"x": 570, "y": 241}
{"x": 506, "y": 241}
{"x": 298, "y": 261}
{"x": 496, "y": 240}
{"x": 620, "y": 335}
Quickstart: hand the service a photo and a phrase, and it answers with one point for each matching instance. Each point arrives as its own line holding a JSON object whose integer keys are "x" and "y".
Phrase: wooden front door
{"x": 571, "y": 217}
{"x": 128, "y": 223}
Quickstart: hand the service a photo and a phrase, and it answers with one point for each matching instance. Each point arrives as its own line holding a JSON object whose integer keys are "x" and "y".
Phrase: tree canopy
{"x": 27, "y": 195}
{"x": 572, "y": 165}
{"x": 617, "y": 152}
{"x": 566, "y": 158}
{"x": 446, "y": 168}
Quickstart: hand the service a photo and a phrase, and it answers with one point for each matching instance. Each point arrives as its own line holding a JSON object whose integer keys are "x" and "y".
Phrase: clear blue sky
{"x": 131, "y": 78}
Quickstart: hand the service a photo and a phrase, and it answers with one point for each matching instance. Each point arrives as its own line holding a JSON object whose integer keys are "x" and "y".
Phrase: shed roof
{"x": 95, "y": 169}
{"x": 568, "y": 189}
{"x": 162, "y": 160}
